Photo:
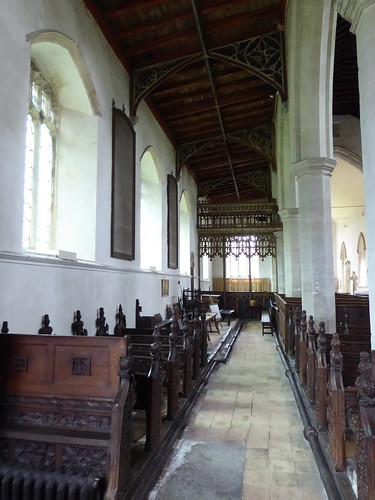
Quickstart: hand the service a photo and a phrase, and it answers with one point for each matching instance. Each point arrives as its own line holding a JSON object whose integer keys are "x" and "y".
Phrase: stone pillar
{"x": 292, "y": 262}
{"x": 362, "y": 15}
{"x": 280, "y": 261}
{"x": 315, "y": 229}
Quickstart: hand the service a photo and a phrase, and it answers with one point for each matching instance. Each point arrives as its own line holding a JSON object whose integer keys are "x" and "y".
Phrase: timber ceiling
{"x": 210, "y": 71}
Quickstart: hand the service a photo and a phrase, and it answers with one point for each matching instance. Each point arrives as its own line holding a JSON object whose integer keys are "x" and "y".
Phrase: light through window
{"x": 41, "y": 131}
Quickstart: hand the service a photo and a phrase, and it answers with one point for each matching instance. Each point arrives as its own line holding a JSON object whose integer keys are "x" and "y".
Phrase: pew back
{"x": 65, "y": 407}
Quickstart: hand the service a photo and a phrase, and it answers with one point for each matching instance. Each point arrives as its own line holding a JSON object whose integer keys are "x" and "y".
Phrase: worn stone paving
{"x": 247, "y": 424}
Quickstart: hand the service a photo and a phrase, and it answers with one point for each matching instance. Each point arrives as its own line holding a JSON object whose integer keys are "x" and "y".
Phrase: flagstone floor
{"x": 248, "y": 432}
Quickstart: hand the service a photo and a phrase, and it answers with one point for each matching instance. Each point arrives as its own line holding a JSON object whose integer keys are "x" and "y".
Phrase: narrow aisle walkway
{"x": 245, "y": 437}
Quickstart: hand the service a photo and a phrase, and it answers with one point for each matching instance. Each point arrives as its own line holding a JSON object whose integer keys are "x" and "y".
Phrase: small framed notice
{"x": 164, "y": 288}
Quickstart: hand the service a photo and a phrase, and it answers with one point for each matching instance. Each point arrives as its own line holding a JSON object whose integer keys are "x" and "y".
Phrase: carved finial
{"x": 120, "y": 328}
{"x": 156, "y": 335}
{"x": 311, "y": 325}
{"x": 365, "y": 382}
{"x": 125, "y": 367}
{"x": 335, "y": 355}
{"x": 4, "y": 328}
{"x": 173, "y": 334}
{"x": 303, "y": 325}
{"x": 101, "y": 325}
{"x": 344, "y": 323}
{"x": 297, "y": 315}
{"x": 155, "y": 350}
{"x": 311, "y": 328}
{"x": 322, "y": 340}
{"x": 138, "y": 308}
{"x": 290, "y": 315}
{"x": 46, "y": 329}
{"x": 77, "y": 325}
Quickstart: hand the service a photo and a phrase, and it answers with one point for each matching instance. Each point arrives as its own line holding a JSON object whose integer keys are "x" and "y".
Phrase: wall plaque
{"x": 123, "y": 186}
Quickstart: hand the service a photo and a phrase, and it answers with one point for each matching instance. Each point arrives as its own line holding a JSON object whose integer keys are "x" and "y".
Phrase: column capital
{"x": 289, "y": 213}
{"x": 279, "y": 235}
{"x": 352, "y": 10}
{"x": 313, "y": 166}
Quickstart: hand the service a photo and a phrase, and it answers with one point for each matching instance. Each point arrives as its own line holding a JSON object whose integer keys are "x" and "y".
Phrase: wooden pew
{"x": 343, "y": 420}
{"x": 321, "y": 379}
{"x": 65, "y": 409}
{"x": 147, "y": 368}
{"x": 303, "y": 351}
{"x": 140, "y": 342}
{"x": 353, "y": 325}
{"x": 149, "y": 321}
{"x": 285, "y": 312}
{"x": 181, "y": 362}
{"x": 365, "y": 429}
{"x": 174, "y": 356}
{"x": 147, "y": 411}
{"x": 311, "y": 363}
{"x": 336, "y": 406}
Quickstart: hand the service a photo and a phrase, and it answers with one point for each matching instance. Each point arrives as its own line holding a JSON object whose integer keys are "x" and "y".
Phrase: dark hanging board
{"x": 123, "y": 187}
{"x": 172, "y": 223}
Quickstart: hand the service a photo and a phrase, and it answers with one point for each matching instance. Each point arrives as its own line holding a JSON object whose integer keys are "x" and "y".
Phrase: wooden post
{"x": 290, "y": 330}
{"x": 311, "y": 363}
{"x": 297, "y": 329}
{"x": 366, "y": 454}
{"x": 153, "y": 410}
{"x": 172, "y": 373}
{"x": 196, "y": 347}
{"x": 250, "y": 273}
{"x": 303, "y": 350}
{"x": 187, "y": 384}
{"x": 203, "y": 340}
{"x": 321, "y": 392}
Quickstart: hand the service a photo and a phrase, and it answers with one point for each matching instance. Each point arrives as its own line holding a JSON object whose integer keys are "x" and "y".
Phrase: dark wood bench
{"x": 140, "y": 342}
{"x": 65, "y": 410}
{"x": 266, "y": 323}
{"x": 147, "y": 369}
{"x": 149, "y": 321}
{"x": 268, "y": 319}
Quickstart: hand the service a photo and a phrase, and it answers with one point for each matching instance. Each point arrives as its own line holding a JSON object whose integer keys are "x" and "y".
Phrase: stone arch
{"x": 61, "y": 64}
{"x": 150, "y": 212}
{"x": 69, "y": 60}
{"x": 184, "y": 225}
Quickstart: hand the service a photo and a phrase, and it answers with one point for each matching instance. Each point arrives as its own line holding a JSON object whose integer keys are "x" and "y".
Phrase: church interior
{"x": 187, "y": 214}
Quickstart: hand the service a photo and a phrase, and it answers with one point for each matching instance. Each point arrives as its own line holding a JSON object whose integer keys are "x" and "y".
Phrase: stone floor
{"x": 245, "y": 438}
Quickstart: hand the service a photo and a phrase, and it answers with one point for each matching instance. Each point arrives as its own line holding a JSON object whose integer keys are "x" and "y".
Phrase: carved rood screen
{"x": 248, "y": 218}
{"x": 224, "y": 246}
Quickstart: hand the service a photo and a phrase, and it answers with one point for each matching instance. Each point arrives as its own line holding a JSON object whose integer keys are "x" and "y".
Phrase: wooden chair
{"x": 214, "y": 308}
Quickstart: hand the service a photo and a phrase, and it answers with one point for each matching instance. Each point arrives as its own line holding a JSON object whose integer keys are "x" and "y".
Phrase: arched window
{"x": 61, "y": 150}
{"x": 205, "y": 267}
{"x": 362, "y": 261}
{"x": 40, "y": 160}
{"x": 151, "y": 214}
{"x": 343, "y": 258}
{"x": 184, "y": 235}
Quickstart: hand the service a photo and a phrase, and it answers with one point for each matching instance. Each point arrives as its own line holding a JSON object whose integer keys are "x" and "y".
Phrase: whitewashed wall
{"x": 35, "y": 286}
